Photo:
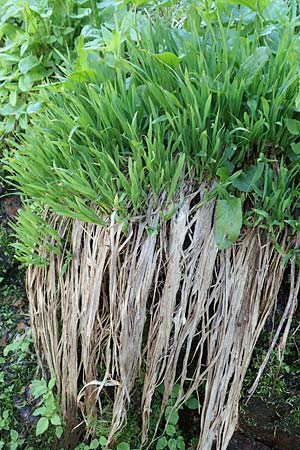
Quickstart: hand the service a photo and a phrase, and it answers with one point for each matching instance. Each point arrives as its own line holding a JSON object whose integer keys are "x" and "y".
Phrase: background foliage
{"x": 113, "y": 134}
{"x": 125, "y": 106}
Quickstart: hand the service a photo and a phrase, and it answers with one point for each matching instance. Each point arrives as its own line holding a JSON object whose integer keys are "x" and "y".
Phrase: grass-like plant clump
{"x": 174, "y": 136}
{"x": 157, "y": 108}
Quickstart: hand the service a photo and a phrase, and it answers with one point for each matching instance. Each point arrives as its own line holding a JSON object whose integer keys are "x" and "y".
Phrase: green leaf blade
{"x": 228, "y": 221}
{"x": 42, "y": 426}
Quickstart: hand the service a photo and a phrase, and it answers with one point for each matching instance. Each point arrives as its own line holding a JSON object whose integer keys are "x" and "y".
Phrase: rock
{"x": 11, "y": 205}
{"x": 277, "y": 439}
{"x": 241, "y": 442}
{"x": 3, "y": 340}
{"x": 262, "y": 420}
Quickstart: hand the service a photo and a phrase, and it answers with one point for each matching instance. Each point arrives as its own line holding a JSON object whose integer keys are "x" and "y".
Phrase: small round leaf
{"x": 59, "y": 432}
{"x": 192, "y": 403}
{"x": 42, "y": 426}
{"x": 103, "y": 440}
{"x": 161, "y": 443}
{"x": 170, "y": 430}
{"x": 55, "y": 420}
{"x": 172, "y": 444}
{"x": 123, "y": 446}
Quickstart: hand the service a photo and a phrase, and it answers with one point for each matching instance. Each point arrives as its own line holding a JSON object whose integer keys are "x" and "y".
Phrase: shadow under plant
{"x": 18, "y": 365}
{"x": 273, "y": 415}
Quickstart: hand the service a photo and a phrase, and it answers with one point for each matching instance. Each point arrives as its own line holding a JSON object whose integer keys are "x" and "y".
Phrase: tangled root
{"x": 159, "y": 297}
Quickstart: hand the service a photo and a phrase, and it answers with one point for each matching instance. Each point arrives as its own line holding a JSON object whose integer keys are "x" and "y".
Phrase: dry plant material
{"x": 160, "y": 298}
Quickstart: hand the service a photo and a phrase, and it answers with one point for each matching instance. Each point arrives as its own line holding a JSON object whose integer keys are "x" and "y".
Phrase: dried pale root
{"x": 168, "y": 302}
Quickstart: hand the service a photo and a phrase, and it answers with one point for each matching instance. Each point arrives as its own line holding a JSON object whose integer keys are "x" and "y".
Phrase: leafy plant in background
{"x": 114, "y": 135}
{"x": 48, "y": 409}
{"x": 20, "y": 346}
{"x": 14, "y": 440}
{"x": 37, "y": 40}
{"x": 101, "y": 444}
{"x": 17, "y": 369}
{"x": 173, "y": 437}
{"x": 243, "y": 118}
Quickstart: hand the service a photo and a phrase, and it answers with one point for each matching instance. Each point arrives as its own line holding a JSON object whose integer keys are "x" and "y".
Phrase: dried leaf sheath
{"x": 168, "y": 302}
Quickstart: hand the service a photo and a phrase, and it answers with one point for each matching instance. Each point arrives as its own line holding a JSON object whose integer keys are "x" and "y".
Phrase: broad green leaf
{"x": 82, "y": 12}
{"x": 37, "y": 74}
{"x": 168, "y": 58}
{"x": 170, "y": 430}
{"x": 28, "y": 63}
{"x": 25, "y": 84}
{"x": 9, "y": 110}
{"x": 11, "y": 348}
{"x": 95, "y": 443}
{"x": 223, "y": 173}
{"x": 55, "y": 420}
{"x": 83, "y": 75}
{"x": 50, "y": 403}
{"x": 14, "y": 435}
{"x": 161, "y": 443}
{"x": 175, "y": 391}
{"x": 172, "y": 444}
{"x": 103, "y": 440}
{"x": 9, "y": 123}
{"x": 247, "y": 180}
{"x": 252, "y": 4}
{"x": 296, "y": 147}
{"x": 293, "y": 126}
{"x": 171, "y": 416}
{"x": 180, "y": 443}
{"x": 254, "y": 64}
{"x": 123, "y": 446}
{"x": 13, "y": 98}
{"x": 23, "y": 122}
{"x": 34, "y": 107}
{"x": 114, "y": 43}
{"x": 39, "y": 387}
{"x": 228, "y": 221}
{"x": 59, "y": 432}
{"x": 40, "y": 411}
{"x": 51, "y": 383}
{"x": 42, "y": 426}
{"x": 192, "y": 403}
{"x": 107, "y": 3}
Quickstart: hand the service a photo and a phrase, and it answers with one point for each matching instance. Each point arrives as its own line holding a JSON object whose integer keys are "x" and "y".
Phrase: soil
{"x": 11, "y": 205}
{"x": 268, "y": 424}
{"x": 273, "y": 422}
{"x": 241, "y": 442}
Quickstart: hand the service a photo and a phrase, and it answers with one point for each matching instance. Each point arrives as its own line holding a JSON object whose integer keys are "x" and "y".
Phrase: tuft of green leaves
{"x": 37, "y": 44}
{"x": 48, "y": 409}
{"x": 149, "y": 108}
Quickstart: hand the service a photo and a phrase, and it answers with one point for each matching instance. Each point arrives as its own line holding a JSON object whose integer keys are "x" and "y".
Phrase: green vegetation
{"x": 37, "y": 45}
{"x": 227, "y": 112}
{"x": 278, "y": 387}
{"x": 49, "y": 409}
{"x": 107, "y": 108}
{"x": 17, "y": 369}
